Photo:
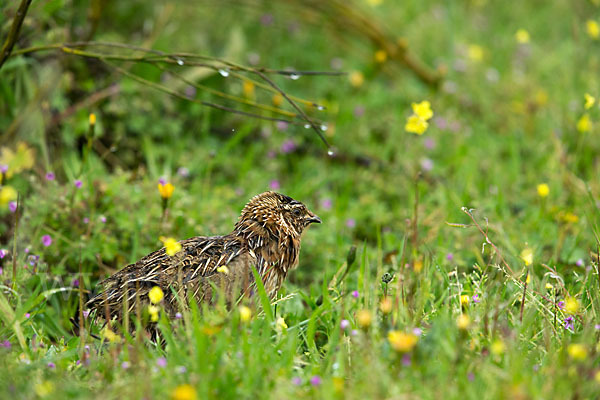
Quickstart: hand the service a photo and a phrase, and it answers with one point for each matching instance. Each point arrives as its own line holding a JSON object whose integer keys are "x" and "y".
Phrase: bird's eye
{"x": 297, "y": 212}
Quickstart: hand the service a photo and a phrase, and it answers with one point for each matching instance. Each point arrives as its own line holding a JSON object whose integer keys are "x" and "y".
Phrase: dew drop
{"x": 320, "y": 108}
{"x": 330, "y": 153}
{"x": 323, "y": 127}
{"x": 180, "y": 61}
{"x": 307, "y": 126}
{"x": 224, "y": 73}
{"x": 294, "y": 77}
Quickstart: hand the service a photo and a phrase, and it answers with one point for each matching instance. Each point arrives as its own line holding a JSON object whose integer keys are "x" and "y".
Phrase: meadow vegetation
{"x": 460, "y": 197}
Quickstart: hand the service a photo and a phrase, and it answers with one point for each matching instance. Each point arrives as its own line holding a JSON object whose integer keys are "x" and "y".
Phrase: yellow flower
{"x": 172, "y": 246}
{"x": 543, "y": 189}
{"x": 415, "y": 124}
{"x": 527, "y": 256}
{"x": 356, "y": 78}
{"x": 110, "y": 335}
{"x": 386, "y": 305}
{"x": 597, "y": 377}
{"x": 184, "y": 392}
{"x": 418, "y": 265}
{"x": 280, "y": 323}
{"x": 463, "y": 322}
{"x": 402, "y": 342}
{"x": 166, "y": 190}
{"x": 156, "y": 295}
{"x": 223, "y": 269}
{"x": 380, "y": 56}
{"x": 92, "y": 119}
{"x": 153, "y": 311}
{"x": 423, "y": 110}
{"x": 464, "y": 300}
{"x": 498, "y": 347}
{"x": 475, "y": 52}
{"x": 522, "y": 36}
{"x": 245, "y": 314}
{"x": 593, "y": 29}
{"x": 528, "y": 278}
{"x": 570, "y": 217}
{"x": 20, "y": 160}
{"x": 549, "y": 286}
{"x": 584, "y": 124}
{"x": 589, "y": 101}
{"x": 277, "y": 99}
{"x": 364, "y": 318}
{"x": 7, "y": 194}
{"x": 248, "y": 88}
{"x": 571, "y": 305}
{"x": 338, "y": 384}
{"x": 577, "y": 351}
{"x": 44, "y": 388}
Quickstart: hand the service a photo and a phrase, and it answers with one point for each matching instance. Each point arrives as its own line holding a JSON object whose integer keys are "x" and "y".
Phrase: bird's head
{"x": 278, "y": 213}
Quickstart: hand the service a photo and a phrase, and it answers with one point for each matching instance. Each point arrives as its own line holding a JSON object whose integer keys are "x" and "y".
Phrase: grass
{"x": 505, "y": 121}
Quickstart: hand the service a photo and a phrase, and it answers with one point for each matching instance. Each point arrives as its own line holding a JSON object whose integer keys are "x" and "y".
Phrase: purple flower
{"x": 350, "y": 222}
{"x": 406, "y": 361}
{"x": 86, "y": 313}
{"x": 86, "y": 220}
{"x": 316, "y": 380}
{"x": 476, "y": 298}
{"x": 274, "y": 184}
{"x": 561, "y": 304}
{"x": 181, "y": 369}
{"x": 429, "y": 143}
{"x": 288, "y": 146}
{"x": 266, "y": 19}
{"x": 3, "y": 253}
{"x": 354, "y": 332}
{"x": 162, "y": 181}
{"x": 3, "y": 169}
{"x": 471, "y": 376}
{"x": 597, "y": 327}
{"x": 78, "y": 183}
{"x": 359, "y": 111}
{"x": 26, "y": 250}
{"x": 355, "y": 294}
{"x": 427, "y": 164}
{"x": 103, "y": 219}
{"x": 46, "y": 240}
{"x": 33, "y": 259}
{"x": 190, "y": 91}
{"x": 125, "y": 365}
{"x": 6, "y": 344}
{"x": 50, "y": 176}
{"x": 297, "y": 381}
{"x": 51, "y": 365}
{"x": 281, "y": 125}
{"x": 579, "y": 263}
{"x": 449, "y": 256}
{"x": 27, "y": 315}
{"x": 417, "y": 331}
{"x": 569, "y": 323}
{"x": 344, "y": 324}
{"x": 12, "y": 206}
{"x": 161, "y": 362}
{"x": 178, "y": 315}
{"x": 183, "y": 172}
{"x": 75, "y": 282}
{"x": 326, "y": 204}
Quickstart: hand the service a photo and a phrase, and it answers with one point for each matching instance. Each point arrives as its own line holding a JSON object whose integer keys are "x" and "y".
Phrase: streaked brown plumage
{"x": 267, "y": 235}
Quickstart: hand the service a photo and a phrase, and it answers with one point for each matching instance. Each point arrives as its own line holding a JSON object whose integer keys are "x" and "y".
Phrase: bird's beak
{"x": 313, "y": 218}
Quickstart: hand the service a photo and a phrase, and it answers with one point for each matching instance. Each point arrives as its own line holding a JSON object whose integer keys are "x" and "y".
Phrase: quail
{"x": 266, "y": 236}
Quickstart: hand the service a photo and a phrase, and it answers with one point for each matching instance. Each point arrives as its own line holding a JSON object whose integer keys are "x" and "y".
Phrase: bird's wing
{"x": 199, "y": 257}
